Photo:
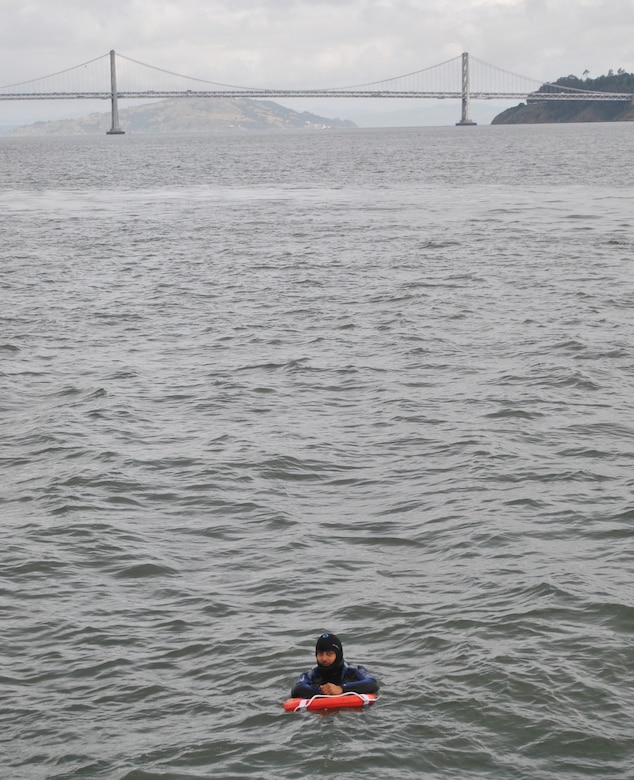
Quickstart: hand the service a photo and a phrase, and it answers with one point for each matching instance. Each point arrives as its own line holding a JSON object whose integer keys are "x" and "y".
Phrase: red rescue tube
{"x": 330, "y": 702}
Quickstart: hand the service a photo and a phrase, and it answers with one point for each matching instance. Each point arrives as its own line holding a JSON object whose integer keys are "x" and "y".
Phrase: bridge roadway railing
{"x": 532, "y": 97}
{"x": 540, "y": 97}
{"x": 55, "y": 95}
{"x": 329, "y": 93}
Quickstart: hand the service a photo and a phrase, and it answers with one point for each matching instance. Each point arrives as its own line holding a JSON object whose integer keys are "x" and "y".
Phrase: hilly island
{"x": 541, "y": 112}
{"x": 190, "y": 115}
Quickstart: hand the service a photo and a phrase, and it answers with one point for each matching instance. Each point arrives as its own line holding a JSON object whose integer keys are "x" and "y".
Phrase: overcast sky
{"x": 306, "y": 43}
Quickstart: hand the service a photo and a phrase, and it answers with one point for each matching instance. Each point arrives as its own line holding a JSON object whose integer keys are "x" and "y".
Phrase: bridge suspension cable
{"x": 87, "y": 80}
{"x": 154, "y": 69}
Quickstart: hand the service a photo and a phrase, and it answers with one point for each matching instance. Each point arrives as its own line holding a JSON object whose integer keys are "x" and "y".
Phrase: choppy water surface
{"x": 376, "y": 382}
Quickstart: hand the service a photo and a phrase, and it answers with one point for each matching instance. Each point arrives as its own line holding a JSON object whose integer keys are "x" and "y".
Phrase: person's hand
{"x": 330, "y": 689}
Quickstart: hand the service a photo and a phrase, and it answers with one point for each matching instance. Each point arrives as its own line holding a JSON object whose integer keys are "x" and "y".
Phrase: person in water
{"x": 333, "y": 676}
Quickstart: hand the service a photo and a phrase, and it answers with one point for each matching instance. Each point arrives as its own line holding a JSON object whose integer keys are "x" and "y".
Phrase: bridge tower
{"x": 114, "y": 129}
{"x": 466, "y": 119}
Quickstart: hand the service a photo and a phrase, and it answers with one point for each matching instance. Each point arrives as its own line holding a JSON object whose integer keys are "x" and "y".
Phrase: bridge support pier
{"x": 466, "y": 118}
{"x": 114, "y": 128}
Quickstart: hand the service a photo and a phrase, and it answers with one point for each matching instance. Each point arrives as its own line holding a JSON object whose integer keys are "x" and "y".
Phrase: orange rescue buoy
{"x": 323, "y": 702}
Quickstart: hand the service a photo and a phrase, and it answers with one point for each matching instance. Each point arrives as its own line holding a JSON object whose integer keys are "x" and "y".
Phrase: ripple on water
{"x": 284, "y": 405}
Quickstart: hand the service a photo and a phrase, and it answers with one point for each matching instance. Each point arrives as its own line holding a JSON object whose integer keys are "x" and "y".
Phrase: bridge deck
{"x": 317, "y": 93}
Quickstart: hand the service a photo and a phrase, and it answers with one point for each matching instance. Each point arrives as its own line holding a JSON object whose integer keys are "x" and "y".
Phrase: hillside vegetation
{"x": 576, "y": 110}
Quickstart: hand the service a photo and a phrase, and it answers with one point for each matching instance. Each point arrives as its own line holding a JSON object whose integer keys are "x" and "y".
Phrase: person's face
{"x": 326, "y": 657}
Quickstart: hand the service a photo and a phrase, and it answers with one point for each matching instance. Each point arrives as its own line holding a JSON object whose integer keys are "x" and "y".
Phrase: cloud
{"x": 314, "y": 39}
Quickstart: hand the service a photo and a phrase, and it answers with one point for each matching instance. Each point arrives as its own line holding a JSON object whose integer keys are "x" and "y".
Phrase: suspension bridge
{"x": 115, "y": 77}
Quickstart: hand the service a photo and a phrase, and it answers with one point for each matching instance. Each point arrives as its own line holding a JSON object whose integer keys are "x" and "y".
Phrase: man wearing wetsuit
{"x": 333, "y": 676}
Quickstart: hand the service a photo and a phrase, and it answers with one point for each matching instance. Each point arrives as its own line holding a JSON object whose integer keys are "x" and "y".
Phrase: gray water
{"x": 374, "y": 382}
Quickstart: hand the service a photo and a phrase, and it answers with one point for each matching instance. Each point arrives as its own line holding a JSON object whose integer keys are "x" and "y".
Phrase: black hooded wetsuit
{"x": 353, "y": 679}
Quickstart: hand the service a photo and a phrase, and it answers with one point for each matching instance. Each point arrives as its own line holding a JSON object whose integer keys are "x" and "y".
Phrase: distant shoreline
{"x": 195, "y": 115}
